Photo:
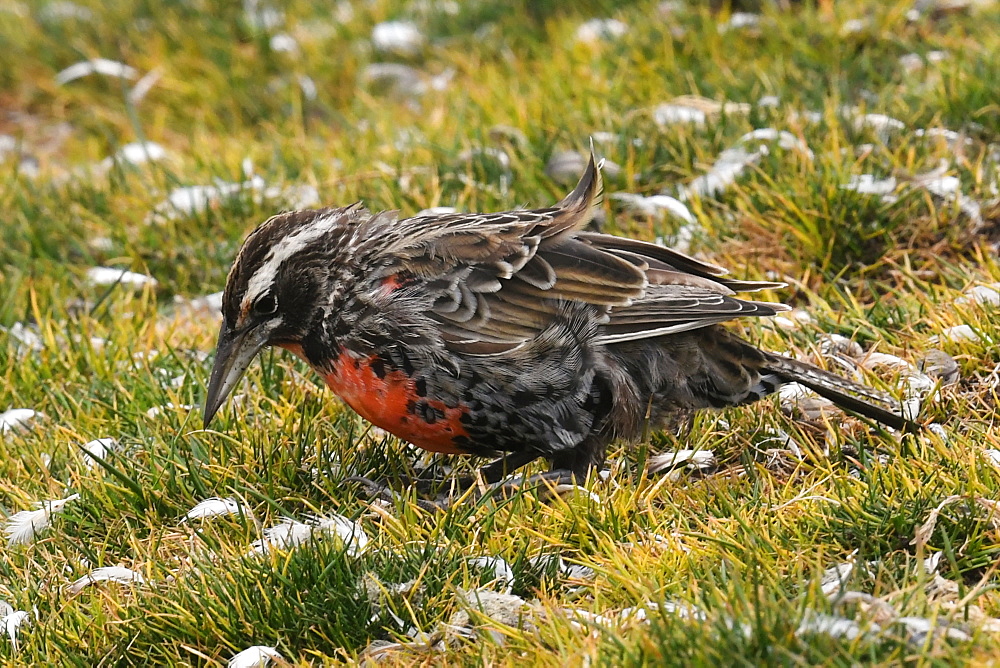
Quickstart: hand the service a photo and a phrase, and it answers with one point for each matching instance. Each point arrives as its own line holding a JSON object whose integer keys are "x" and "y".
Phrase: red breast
{"x": 388, "y": 402}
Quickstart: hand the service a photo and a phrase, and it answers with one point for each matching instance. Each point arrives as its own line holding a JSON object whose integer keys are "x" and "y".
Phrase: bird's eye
{"x": 266, "y": 305}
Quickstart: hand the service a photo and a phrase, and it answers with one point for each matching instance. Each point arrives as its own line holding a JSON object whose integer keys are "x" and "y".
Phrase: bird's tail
{"x": 846, "y": 394}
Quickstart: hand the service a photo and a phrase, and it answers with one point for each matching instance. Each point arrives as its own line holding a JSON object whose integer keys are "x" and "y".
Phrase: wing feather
{"x": 538, "y": 273}
{"x": 497, "y": 280}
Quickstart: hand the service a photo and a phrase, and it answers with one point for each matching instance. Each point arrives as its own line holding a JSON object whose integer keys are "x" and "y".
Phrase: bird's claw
{"x": 550, "y": 483}
{"x": 372, "y": 488}
{"x": 382, "y": 490}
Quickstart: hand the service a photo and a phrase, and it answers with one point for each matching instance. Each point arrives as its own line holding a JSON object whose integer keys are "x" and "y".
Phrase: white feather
{"x": 99, "y": 447}
{"x": 286, "y": 534}
{"x": 156, "y": 411}
{"x": 290, "y": 533}
{"x": 258, "y": 655}
{"x": 107, "y": 574}
{"x": 502, "y": 570}
{"x": 213, "y": 507}
{"x": 114, "y": 276}
{"x": 692, "y": 459}
{"x": 111, "y": 68}
{"x": 16, "y": 418}
{"x": 349, "y": 531}
{"x": 818, "y": 623}
{"x": 655, "y": 205}
{"x": 22, "y": 527}
{"x": 10, "y": 624}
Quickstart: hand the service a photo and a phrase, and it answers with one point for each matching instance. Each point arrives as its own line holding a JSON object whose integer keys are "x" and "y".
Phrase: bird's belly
{"x": 390, "y": 401}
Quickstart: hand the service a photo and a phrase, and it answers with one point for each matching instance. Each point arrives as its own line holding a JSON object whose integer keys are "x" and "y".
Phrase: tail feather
{"x": 840, "y": 391}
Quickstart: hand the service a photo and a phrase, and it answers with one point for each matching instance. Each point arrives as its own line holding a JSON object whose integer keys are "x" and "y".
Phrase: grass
{"x": 745, "y": 543}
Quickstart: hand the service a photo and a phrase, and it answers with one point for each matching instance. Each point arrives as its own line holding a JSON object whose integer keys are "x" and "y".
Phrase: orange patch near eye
{"x": 388, "y": 402}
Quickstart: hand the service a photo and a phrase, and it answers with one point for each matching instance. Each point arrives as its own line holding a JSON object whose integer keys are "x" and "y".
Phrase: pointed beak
{"x": 235, "y": 352}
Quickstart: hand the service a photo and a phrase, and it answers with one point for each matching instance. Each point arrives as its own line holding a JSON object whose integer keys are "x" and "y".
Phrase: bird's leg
{"x": 381, "y": 490}
{"x": 372, "y": 488}
{"x": 566, "y": 472}
{"x": 500, "y": 468}
{"x": 551, "y": 480}
{"x": 490, "y": 474}
{"x": 382, "y": 487}
{"x": 554, "y": 482}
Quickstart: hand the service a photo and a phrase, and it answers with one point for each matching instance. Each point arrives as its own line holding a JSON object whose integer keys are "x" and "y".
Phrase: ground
{"x": 798, "y": 535}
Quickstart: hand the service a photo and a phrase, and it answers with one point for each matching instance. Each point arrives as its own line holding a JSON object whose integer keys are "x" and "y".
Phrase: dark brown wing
{"x": 683, "y": 293}
{"x": 498, "y": 279}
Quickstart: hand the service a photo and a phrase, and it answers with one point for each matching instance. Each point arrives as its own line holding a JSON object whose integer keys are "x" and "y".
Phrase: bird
{"x": 519, "y": 335}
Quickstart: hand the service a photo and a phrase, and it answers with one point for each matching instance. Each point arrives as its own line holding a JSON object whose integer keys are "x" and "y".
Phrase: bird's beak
{"x": 235, "y": 351}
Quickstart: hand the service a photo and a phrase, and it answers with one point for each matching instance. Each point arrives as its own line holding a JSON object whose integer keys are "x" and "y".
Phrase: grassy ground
{"x": 728, "y": 562}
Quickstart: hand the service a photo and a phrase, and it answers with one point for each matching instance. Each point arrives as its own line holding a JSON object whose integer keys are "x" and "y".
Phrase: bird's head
{"x": 273, "y": 292}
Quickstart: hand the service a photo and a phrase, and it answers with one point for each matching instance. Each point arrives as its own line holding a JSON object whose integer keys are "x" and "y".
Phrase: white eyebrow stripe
{"x": 264, "y": 277}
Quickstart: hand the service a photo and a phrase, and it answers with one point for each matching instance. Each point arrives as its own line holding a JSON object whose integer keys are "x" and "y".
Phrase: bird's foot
{"x": 449, "y": 485}
{"x": 374, "y": 489}
{"x": 488, "y": 481}
{"x": 549, "y": 483}
{"x": 382, "y": 490}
